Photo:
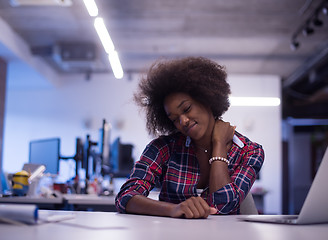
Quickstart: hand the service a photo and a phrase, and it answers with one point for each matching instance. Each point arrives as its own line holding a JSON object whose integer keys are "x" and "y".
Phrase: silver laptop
{"x": 315, "y": 207}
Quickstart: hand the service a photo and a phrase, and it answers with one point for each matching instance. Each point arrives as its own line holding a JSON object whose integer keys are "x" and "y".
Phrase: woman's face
{"x": 189, "y": 116}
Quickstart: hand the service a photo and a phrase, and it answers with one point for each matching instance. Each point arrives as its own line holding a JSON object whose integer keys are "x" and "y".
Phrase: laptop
{"x": 315, "y": 207}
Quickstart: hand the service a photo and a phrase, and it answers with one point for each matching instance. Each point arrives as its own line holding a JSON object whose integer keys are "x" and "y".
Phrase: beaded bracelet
{"x": 219, "y": 159}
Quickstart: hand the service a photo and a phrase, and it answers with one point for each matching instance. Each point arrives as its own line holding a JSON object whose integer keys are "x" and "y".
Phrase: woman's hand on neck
{"x": 222, "y": 137}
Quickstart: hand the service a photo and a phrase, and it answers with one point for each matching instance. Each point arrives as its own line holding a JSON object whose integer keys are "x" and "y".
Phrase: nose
{"x": 184, "y": 120}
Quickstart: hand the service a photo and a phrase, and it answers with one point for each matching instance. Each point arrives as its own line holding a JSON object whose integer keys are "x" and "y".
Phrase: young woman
{"x": 201, "y": 164}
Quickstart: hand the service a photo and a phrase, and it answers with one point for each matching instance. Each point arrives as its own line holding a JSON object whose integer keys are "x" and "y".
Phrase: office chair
{"x": 247, "y": 207}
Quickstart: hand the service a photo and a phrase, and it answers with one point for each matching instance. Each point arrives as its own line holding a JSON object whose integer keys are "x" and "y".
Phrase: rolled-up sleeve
{"x": 144, "y": 175}
{"x": 243, "y": 172}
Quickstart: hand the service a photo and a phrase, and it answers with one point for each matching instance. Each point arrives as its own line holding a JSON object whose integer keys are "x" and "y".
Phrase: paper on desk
{"x": 12, "y": 213}
{"x": 54, "y": 216}
{"x": 22, "y": 214}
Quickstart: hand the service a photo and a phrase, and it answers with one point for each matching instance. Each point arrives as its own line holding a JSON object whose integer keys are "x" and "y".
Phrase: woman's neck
{"x": 205, "y": 145}
{"x": 206, "y": 141}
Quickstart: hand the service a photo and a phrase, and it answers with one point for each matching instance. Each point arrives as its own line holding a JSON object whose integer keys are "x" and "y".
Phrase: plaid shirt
{"x": 170, "y": 163}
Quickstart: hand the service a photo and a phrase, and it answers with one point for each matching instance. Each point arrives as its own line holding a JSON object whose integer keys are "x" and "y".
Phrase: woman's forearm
{"x": 193, "y": 207}
{"x": 140, "y": 204}
{"x": 219, "y": 176}
{"x": 219, "y": 173}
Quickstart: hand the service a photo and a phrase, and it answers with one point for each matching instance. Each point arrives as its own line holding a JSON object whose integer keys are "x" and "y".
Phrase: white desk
{"x": 67, "y": 201}
{"x": 70, "y": 198}
{"x": 90, "y": 202}
{"x": 32, "y": 200}
{"x": 89, "y": 199}
{"x": 72, "y": 201}
{"x": 109, "y": 225}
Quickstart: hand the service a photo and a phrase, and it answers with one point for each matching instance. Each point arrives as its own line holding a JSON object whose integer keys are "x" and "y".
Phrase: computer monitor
{"x": 104, "y": 147}
{"x": 121, "y": 158}
{"x": 47, "y": 153}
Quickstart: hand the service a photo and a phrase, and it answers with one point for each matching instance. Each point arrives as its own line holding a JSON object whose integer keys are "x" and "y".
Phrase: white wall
{"x": 262, "y": 125}
{"x": 74, "y": 109}
{"x": 63, "y": 111}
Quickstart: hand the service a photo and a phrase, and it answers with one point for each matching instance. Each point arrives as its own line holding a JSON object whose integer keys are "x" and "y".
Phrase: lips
{"x": 189, "y": 127}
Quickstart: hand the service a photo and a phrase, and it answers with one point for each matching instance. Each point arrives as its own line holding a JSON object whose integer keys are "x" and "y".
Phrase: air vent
{"x": 63, "y": 3}
{"x": 74, "y": 57}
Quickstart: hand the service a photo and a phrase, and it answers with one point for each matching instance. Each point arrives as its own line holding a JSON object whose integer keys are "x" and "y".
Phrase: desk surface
{"x": 106, "y": 225}
{"x": 70, "y": 198}
{"x": 32, "y": 200}
{"x": 89, "y": 199}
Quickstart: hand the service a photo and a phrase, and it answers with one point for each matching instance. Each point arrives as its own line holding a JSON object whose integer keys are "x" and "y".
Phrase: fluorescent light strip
{"x": 105, "y": 38}
{"x": 115, "y": 64}
{"x": 255, "y": 101}
{"x": 91, "y": 7}
{"x": 104, "y": 35}
{"x": 109, "y": 47}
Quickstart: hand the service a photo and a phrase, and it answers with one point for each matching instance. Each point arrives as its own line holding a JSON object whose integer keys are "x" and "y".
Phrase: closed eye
{"x": 187, "y": 109}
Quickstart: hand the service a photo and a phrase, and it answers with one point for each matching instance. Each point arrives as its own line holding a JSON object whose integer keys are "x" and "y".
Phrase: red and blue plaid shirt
{"x": 171, "y": 163}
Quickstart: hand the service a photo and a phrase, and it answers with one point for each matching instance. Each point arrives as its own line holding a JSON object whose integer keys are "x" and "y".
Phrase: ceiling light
{"x": 317, "y": 22}
{"x": 254, "y": 101}
{"x": 308, "y": 31}
{"x": 104, "y": 35}
{"x": 91, "y": 7}
{"x": 305, "y": 28}
{"x": 109, "y": 47}
{"x": 294, "y": 44}
{"x": 115, "y": 64}
{"x": 325, "y": 10}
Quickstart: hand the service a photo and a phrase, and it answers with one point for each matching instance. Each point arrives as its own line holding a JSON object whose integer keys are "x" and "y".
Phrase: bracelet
{"x": 219, "y": 159}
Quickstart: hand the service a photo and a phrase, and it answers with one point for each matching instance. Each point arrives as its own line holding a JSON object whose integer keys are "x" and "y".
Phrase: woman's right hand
{"x": 194, "y": 207}
{"x": 222, "y": 135}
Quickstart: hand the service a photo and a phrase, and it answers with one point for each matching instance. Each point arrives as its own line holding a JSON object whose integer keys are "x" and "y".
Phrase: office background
{"x": 42, "y": 102}
{"x": 77, "y": 107}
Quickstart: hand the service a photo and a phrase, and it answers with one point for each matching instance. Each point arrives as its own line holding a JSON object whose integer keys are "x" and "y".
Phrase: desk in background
{"x": 105, "y": 225}
{"x": 77, "y": 202}
{"x": 83, "y": 202}
{"x": 56, "y": 203}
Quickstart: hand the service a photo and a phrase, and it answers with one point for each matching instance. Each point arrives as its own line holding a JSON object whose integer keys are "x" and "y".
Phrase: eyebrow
{"x": 182, "y": 102}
